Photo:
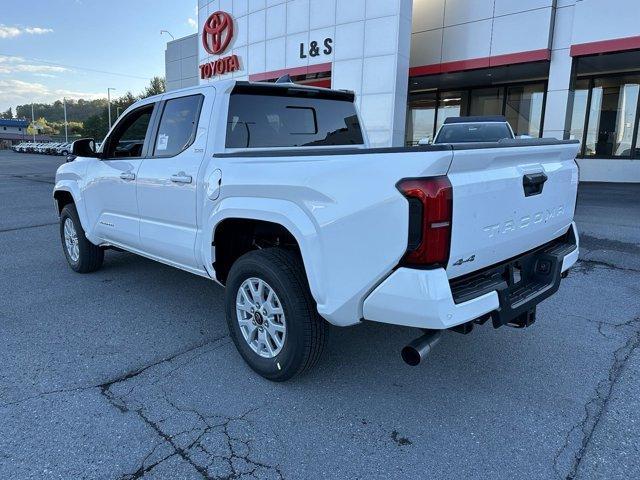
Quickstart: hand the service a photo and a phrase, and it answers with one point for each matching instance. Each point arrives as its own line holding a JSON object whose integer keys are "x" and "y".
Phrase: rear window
{"x": 263, "y": 121}
{"x": 473, "y": 132}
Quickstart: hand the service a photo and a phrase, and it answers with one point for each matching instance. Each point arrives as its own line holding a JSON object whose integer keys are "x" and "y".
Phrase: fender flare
{"x": 72, "y": 188}
{"x": 288, "y": 214}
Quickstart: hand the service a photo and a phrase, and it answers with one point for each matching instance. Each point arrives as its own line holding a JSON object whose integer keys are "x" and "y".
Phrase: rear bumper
{"x": 428, "y": 299}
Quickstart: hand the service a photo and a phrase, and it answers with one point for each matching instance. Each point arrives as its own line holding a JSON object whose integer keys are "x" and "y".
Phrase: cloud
{"x": 7, "y": 31}
{"x": 193, "y": 23}
{"x": 37, "y": 30}
{"x": 10, "y": 65}
{"x": 17, "y": 92}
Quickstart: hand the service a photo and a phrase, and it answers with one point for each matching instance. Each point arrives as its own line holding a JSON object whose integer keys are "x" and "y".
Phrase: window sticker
{"x": 163, "y": 142}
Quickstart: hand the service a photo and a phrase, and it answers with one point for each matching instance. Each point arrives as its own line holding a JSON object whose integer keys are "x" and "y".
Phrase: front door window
{"x": 128, "y": 138}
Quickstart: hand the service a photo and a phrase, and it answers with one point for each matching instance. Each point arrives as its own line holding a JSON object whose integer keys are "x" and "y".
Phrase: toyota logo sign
{"x": 217, "y": 33}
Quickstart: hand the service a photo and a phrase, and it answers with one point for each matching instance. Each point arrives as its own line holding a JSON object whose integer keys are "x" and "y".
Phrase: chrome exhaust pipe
{"x": 418, "y": 349}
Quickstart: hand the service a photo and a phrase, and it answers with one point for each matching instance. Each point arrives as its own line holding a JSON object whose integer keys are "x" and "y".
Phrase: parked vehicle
{"x": 49, "y": 148}
{"x": 271, "y": 190}
{"x": 63, "y": 149}
{"x": 474, "y": 130}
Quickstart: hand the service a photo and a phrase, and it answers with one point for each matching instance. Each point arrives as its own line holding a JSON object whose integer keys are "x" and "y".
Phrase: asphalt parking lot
{"x": 130, "y": 373}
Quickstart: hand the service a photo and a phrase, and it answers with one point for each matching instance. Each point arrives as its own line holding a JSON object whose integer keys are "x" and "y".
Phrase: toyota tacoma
{"x": 271, "y": 190}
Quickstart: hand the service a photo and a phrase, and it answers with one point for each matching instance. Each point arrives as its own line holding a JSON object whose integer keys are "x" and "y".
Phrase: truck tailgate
{"x": 509, "y": 199}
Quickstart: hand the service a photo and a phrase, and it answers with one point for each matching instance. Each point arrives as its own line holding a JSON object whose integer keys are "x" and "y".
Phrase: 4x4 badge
{"x": 461, "y": 261}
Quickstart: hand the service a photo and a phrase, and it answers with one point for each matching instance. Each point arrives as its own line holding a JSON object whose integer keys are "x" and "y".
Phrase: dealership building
{"x": 554, "y": 68}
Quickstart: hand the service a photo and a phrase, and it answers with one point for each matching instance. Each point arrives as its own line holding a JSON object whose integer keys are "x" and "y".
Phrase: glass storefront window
{"x": 579, "y": 111}
{"x": 524, "y": 109}
{"x": 612, "y": 116}
{"x": 451, "y": 104}
{"x": 636, "y": 150}
{"x": 421, "y": 118}
{"x": 486, "y": 101}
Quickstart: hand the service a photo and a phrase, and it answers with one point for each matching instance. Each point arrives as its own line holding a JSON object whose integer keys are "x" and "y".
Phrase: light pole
{"x": 66, "y": 130}
{"x": 168, "y": 33}
{"x": 109, "y": 104}
{"x": 33, "y": 122}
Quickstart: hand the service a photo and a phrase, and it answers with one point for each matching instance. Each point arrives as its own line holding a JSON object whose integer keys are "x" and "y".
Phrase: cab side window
{"x": 127, "y": 140}
{"x": 178, "y": 125}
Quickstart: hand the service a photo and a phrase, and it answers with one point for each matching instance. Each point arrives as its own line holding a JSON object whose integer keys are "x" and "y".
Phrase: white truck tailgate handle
{"x": 533, "y": 183}
{"x": 181, "y": 178}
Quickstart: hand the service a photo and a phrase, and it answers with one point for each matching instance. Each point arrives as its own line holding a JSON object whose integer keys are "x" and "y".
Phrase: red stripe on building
{"x": 605, "y": 46}
{"x": 275, "y": 74}
{"x": 543, "y": 54}
{"x": 484, "y": 62}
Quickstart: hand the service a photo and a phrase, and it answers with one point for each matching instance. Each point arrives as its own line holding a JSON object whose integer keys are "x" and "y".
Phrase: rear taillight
{"x": 430, "y": 211}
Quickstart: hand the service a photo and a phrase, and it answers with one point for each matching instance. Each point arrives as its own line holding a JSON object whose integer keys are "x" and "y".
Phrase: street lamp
{"x": 168, "y": 33}
{"x": 109, "y": 103}
{"x": 66, "y": 130}
{"x": 33, "y": 122}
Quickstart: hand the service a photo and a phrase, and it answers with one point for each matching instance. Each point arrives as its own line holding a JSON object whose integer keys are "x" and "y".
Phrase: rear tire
{"x": 302, "y": 331}
{"x": 82, "y": 255}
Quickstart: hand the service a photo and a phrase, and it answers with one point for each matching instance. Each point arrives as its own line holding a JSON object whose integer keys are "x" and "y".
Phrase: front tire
{"x": 82, "y": 255}
{"x": 271, "y": 314}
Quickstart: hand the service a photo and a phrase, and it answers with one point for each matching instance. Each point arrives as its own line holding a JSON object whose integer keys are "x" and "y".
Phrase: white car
{"x": 271, "y": 190}
{"x": 63, "y": 149}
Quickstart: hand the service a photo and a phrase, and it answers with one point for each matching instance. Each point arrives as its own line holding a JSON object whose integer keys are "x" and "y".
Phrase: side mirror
{"x": 424, "y": 141}
{"x": 85, "y": 147}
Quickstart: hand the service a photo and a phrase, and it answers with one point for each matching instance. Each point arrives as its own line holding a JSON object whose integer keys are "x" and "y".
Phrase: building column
{"x": 559, "y": 94}
{"x": 372, "y": 47}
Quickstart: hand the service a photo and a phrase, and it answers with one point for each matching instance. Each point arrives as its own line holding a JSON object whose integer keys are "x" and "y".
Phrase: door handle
{"x": 128, "y": 176}
{"x": 181, "y": 178}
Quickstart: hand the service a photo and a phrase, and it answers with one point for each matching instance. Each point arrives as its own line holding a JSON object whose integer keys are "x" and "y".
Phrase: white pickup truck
{"x": 271, "y": 190}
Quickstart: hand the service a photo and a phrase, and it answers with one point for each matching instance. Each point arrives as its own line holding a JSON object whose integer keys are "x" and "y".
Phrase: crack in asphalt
{"x": 15, "y": 229}
{"x": 134, "y": 373}
{"x": 597, "y": 405}
{"x": 121, "y": 378}
{"x": 238, "y": 460}
{"x": 602, "y": 323}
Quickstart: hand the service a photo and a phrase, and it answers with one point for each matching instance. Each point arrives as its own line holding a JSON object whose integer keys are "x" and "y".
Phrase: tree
{"x": 156, "y": 87}
{"x": 77, "y": 110}
{"x": 96, "y": 126}
{"x": 8, "y": 114}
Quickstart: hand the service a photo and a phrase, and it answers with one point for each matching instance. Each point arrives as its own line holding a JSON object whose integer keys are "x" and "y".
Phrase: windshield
{"x": 473, "y": 132}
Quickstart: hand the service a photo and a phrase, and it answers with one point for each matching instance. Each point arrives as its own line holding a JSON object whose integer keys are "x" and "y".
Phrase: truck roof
{"x": 476, "y": 119}
{"x": 264, "y": 87}
{"x": 270, "y": 88}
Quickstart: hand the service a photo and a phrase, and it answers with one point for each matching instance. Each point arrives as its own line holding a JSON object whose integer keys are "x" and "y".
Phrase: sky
{"x": 51, "y": 49}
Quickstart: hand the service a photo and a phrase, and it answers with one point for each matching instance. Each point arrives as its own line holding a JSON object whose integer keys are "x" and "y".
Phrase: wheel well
{"x": 62, "y": 198}
{"x": 236, "y": 236}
